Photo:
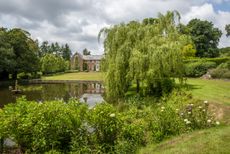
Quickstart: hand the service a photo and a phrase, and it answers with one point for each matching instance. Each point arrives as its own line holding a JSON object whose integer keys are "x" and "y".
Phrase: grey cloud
{"x": 78, "y": 22}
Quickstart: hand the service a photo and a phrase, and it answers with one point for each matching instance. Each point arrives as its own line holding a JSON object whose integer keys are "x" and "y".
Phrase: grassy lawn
{"x": 216, "y": 91}
{"x": 208, "y": 141}
{"x": 76, "y": 76}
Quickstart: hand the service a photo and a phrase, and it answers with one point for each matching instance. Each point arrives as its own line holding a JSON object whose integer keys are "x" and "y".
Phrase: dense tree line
{"x": 21, "y": 54}
{"x": 56, "y": 49}
{"x": 54, "y": 57}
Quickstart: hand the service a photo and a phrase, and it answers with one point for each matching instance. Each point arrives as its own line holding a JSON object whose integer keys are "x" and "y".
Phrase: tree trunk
{"x": 14, "y": 76}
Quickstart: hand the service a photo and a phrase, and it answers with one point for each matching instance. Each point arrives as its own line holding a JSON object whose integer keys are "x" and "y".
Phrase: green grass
{"x": 216, "y": 91}
{"x": 209, "y": 141}
{"x": 76, "y": 76}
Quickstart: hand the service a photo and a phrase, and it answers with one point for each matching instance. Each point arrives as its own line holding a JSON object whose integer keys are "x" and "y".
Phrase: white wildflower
{"x": 189, "y": 112}
{"x": 209, "y": 121}
{"x": 185, "y": 120}
{"x": 217, "y": 123}
{"x": 188, "y": 122}
{"x": 204, "y": 110}
{"x": 205, "y": 102}
{"x": 112, "y": 115}
{"x": 191, "y": 104}
{"x": 162, "y": 107}
{"x": 182, "y": 114}
{"x": 200, "y": 107}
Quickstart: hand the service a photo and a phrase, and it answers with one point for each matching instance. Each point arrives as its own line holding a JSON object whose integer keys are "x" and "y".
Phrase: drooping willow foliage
{"x": 147, "y": 54}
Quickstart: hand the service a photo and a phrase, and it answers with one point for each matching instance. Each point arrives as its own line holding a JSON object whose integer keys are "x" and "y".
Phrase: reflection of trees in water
{"x": 54, "y": 91}
{"x": 42, "y": 92}
{"x": 66, "y": 91}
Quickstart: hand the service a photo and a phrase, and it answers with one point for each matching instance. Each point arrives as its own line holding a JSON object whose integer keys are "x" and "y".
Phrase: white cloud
{"x": 78, "y": 22}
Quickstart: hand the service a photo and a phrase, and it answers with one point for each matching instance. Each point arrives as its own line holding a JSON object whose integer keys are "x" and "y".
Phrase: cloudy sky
{"x": 77, "y": 22}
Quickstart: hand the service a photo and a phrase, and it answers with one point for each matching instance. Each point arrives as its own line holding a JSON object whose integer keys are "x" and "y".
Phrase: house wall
{"x": 77, "y": 63}
{"x": 93, "y": 65}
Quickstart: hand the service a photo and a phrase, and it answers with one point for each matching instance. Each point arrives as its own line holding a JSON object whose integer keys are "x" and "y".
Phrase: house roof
{"x": 92, "y": 57}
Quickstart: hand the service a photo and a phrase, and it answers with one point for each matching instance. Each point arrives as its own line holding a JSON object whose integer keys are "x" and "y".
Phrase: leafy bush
{"x": 38, "y": 127}
{"x": 197, "y": 69}
{"x": 219, "y": 73}
{"x": 106, "y": 123}
{"x": 34, "y": 75}
{"x": 59, "y": 127}
{"x": 222, "y": 71}
{"x": 51, "y": 64}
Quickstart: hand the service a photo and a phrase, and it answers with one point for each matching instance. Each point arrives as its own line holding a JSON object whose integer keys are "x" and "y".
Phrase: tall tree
{"x": 227, "y": 28}
{"x": 7, "y": 55}
{"x": 146, "y": 53}
{"x": 44, "y": 49}
{"x": 66, "y": 52}
{"x": 86, "y": 52}
{"x": 205, "y": 36}
{"x": 25, "y": 50}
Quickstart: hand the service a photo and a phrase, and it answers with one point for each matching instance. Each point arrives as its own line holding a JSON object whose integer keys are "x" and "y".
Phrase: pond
{"x": 89, "y": 92}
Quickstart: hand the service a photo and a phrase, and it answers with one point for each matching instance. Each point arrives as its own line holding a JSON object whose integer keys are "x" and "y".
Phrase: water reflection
{"x": 89, "y": 92}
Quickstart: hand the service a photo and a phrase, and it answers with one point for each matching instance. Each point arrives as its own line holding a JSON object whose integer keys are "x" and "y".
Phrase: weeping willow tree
{"x": 147, "y": 54}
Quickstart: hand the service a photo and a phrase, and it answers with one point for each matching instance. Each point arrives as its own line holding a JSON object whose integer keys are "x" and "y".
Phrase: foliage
{"x": 225, "y": 52}
{"x": 222, "y": 71}
{"x": 205, "y": 37}
{"x": 7, "y": 62}
{"x": 56, "y": 49}
{"x": 197, "y": 69}
{"x": 52, "y": 64}
{"x": 144, "y": 53}
{"x": 188, "y": 51}
{"x": 227, "y": 28}
{"x": 34, "y": 75}
{"x": 218, "y": 61}
{"x": 86, "y": 52}
{"x": 56, "y": 126}
{"x": 19, "y": 52}
{"x": 38, "y": 127}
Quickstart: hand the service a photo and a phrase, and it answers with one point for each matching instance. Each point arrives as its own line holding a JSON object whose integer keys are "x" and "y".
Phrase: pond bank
{"x": 40, "y": 81}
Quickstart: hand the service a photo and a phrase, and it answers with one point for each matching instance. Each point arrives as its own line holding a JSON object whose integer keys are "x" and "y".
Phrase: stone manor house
{"x": 86, "y": 62}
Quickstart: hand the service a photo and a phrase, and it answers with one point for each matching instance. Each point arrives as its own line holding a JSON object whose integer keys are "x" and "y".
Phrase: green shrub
{"x": 197, "y": 69}
{"x": 218, "y": 61}
{"x": 166, "y": 123}
{"x": 219, "y": 73}
{"x": 53, "y": 63}
{"x": 73, "y": 127}
{"x": 105, "y": 121}
{"x": 40, "y": 127}
{"x": 24, "y": 75}
{"x": 225, "y": 65}
{"x": 226, "y": 75}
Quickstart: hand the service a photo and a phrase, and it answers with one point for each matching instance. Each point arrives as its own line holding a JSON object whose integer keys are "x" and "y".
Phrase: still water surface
{"x": 89, "y": 92}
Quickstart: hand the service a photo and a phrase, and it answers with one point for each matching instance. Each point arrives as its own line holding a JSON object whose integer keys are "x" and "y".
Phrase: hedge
{"x": 218, "y": 61}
